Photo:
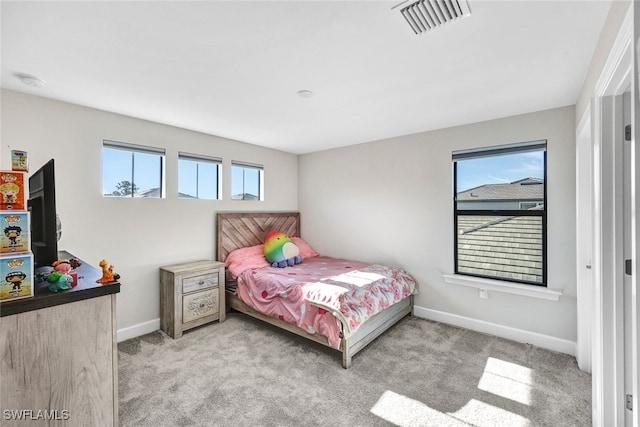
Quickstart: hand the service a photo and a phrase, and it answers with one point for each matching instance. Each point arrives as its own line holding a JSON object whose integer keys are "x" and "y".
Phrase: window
{"x": 500, "y": 212}
{"x": 198, "y": 176}
{"x": 130, "y": 170}
{"x": 246, "y": 181}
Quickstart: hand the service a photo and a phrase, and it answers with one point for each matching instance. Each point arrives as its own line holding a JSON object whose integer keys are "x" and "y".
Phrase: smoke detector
{"x": 425, "y": 15}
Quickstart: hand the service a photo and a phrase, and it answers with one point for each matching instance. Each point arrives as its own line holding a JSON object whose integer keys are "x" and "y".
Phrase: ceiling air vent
{"x": 425, "y": 15}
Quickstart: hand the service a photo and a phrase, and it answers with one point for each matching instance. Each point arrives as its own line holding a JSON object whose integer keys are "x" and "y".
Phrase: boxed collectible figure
{"x": 12, "y": 195}
{"x": 19, "y": 161}
{"x": 16, "y": 277}
{"x": 15, "y": 237}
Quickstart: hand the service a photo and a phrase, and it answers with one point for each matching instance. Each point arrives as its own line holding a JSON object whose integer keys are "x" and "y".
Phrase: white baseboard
{"x": 539, "y": 340}
{"x": 139, "y": 329}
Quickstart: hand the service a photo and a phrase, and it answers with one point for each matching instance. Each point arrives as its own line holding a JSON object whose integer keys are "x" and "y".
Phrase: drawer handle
{"x": 201, "y": 305}
{"x": 201, "y": 282}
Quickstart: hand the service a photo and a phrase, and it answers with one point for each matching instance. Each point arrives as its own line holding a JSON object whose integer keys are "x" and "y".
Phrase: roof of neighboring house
{"x": 155, "y": 192}
{"x": 505, "y": 247}
{"x": 522, "y": 189}
{"x": 244, "y": 196}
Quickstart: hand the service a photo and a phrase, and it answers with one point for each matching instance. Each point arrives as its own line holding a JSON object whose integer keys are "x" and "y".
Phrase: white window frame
{"x": 142, "y": 149}
{"x": 245, "y": 165}
{"x": 199, "y": 158}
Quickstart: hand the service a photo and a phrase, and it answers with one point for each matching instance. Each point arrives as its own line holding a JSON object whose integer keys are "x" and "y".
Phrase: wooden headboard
{"x": 242, "y": 229}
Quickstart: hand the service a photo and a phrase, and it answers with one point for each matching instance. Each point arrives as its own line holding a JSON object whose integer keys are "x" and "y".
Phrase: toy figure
{"x": 280, "y": 251}
{"x": 9, "y": 192}
{"x": 13, "y": 232}
{"x": 59, "y": 281}
{"x": 16, "y": 278}
{"x": 107, "y": 273}
{"x": 62, "y": 265}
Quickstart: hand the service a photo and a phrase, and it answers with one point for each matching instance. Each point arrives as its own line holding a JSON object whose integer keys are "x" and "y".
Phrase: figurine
{"x": 13, "y": 234}
{"x": 107, "y": 273}
{"x": 15, "y": 278}
{"x": 62, "y": 265}
{"x": 9, "y": 192}
{"x": 59, "y": 281}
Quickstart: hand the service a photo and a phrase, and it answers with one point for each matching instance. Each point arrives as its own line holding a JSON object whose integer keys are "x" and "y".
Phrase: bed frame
{"x": 239, "y": 230}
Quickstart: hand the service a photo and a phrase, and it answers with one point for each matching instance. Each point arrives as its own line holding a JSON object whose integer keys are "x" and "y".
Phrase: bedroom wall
{"x": 391, "y": 201}
{"x": 136, "y": 235}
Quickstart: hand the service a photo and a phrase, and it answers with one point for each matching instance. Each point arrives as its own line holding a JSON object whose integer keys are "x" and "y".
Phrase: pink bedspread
{"x": 319, "y": 293}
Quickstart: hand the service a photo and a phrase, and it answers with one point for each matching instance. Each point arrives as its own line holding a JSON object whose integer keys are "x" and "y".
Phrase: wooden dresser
{"x": 58, "y": 365}
{"x": 191, "y": 294}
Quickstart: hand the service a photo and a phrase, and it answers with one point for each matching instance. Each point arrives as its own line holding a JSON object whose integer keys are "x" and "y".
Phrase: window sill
{"x": 501, "y": 286}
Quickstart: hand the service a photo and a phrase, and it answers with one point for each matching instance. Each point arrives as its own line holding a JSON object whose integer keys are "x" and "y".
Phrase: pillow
{"x": 280, "y": 251}
{"x": 243, "y": 259}
{"x": 305, "y": 249}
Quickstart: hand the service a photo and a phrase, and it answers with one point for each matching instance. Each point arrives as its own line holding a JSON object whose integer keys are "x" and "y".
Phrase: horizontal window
{"x": 247, "y": 181}
{"x": 199, "y": 176}
{"x": 130, "y": 170}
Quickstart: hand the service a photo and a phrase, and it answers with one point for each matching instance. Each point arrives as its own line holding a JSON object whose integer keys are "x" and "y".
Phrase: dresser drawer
{"x": 195, "y": 283}
{"x": 199, "y": 304}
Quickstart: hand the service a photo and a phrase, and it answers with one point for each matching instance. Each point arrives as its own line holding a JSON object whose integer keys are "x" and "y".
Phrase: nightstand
{"x": 191, "y": 294}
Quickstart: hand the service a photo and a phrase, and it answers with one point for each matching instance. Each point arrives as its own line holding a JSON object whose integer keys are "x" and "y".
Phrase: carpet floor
{"x": 243, "y": 372}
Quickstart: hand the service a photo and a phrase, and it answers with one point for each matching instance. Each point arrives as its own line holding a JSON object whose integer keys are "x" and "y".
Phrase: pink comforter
{"x": 321, "y": 292}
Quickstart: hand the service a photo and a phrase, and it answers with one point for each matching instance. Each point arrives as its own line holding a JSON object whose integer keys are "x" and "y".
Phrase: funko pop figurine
{"x": 9, "y": 192}
{"x": 16, "y": 278}
{"x": 13, "y": 233}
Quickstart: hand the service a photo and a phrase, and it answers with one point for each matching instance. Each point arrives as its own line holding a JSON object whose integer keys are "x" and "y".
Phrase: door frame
{"x": 584, "y": 241}
{"x": 608, "y": 285}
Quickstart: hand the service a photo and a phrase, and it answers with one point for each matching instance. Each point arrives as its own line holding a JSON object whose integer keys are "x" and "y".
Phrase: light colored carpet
{"x": 243, "y": 372}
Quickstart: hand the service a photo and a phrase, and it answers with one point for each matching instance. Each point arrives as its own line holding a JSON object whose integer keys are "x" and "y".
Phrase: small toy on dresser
{"x": 107, "y": 273}
{"x": 67, "y": 266}
{"x": 280, "y": 251}
{"x": 59, "y": 281}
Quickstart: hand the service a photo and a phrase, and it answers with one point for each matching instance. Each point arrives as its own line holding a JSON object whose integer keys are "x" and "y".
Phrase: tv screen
{"x": 42, "y": 205}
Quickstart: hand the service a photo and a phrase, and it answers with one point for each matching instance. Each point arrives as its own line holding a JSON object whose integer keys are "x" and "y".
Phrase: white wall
{"x": 391, "y": 201}
{"x": 617, "y": 12}
{"x": 136, "y": 235}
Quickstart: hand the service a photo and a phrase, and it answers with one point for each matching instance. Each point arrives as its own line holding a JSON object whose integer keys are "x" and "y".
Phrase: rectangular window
{"x": 198, "y": 176}
{"x": 130, "y": 170}
{"x": 500, "y": 212}
{"x": 246, "y": 181}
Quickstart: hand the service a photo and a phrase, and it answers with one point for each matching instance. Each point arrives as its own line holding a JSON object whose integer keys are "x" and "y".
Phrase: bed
{"x": 331, "y": 314}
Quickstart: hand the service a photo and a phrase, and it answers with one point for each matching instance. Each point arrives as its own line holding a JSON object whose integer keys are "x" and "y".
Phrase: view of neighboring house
{"x": 156, "y": 193}
{"x": 517, "y": 195}
{"x": 508, "y": 247}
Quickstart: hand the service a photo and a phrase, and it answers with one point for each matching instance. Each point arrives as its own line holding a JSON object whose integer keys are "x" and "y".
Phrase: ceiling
{"x": 234, "y": 68}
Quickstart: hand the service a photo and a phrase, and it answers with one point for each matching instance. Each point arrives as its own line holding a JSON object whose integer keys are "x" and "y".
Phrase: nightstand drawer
{"x": 199, "y": 304}
{"x": 195, "y": 283}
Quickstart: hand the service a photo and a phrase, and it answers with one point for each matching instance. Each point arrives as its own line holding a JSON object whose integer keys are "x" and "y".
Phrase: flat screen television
{"x": 44, "y": 224}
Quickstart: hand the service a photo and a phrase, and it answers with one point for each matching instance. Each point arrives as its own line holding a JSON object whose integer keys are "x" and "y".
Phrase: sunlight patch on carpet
{"x": 404, "y": 412}
{"x": 508, "y": 380}
{"x": 482, "y": 414}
